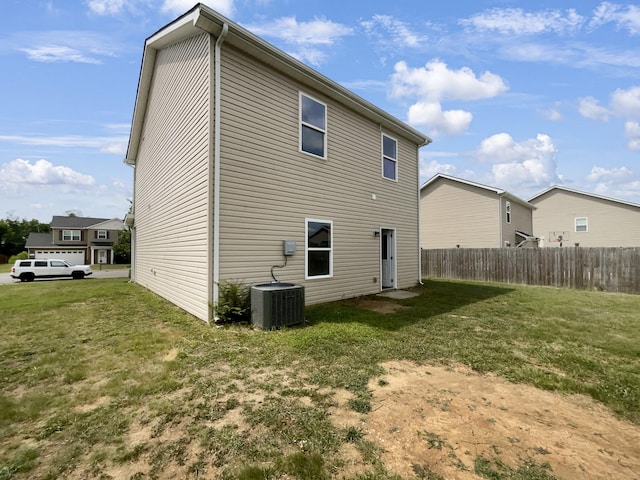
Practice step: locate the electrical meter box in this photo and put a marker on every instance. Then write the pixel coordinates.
(289, 247)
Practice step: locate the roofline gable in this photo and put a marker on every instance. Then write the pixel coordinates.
(586, 194)
(201, 19)
(80, 223)
(498, 191)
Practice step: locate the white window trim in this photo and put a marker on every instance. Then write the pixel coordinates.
(301, 123)
(586, 224)
(71, 239)
(383, 156)
(102, 237)
(307, 249)
(507, 209)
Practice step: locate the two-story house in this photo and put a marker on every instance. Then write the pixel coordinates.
(78, 240)
(565, 217)
(237, 147)
(459, 213)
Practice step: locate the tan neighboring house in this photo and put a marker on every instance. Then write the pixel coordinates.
(566, 217)
(238, 147)
(459, 213)
(78, 240)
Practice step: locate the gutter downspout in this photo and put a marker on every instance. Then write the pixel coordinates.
(500, 220)
(216, 161)
(420, 282)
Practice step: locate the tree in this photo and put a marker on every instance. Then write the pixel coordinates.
(14, 233)
(122, 247)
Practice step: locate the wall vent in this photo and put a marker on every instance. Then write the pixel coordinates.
(275, 305)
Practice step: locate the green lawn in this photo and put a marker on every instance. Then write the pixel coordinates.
(86, 364)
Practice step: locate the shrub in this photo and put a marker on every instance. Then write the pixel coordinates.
(234, 302)
(19, 256)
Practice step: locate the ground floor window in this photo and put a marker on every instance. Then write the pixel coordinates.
(319, 248)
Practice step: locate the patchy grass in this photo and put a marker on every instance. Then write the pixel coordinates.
(103, 379)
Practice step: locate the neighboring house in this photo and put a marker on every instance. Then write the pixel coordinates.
(566, 217)
(459, 213)
(237, 147)
(78, 240)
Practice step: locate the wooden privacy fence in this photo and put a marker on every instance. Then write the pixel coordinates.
(606, 269)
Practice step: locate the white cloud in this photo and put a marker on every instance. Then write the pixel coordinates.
(428, 86)
(553, 114)
(177, 7)
(312, 56)
(515, 21)
(319, 31)
(599, 174)
(574, 54)
(58, 54)
(57, 46)
(589, 108)
(42, 172)
(626, 103)
(430, 114)
(619, 182)
(435, 81)
(632, 132)
(106, 7)
(520, 165)
(115, 144)
(430, 168)
(172, 7)
(392, 29)
(304, 38)
(623, 16)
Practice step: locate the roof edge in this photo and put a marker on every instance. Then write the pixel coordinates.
(580, 192)
(498, 191)
(204, 19)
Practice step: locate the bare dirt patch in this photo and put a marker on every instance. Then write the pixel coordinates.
(442, 419)
(378, 306)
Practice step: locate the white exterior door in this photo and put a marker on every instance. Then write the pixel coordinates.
(102, 256)
(388, 258)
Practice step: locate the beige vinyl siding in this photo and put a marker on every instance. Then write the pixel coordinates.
(454, 213)
(172, 179)
(521, 220)
(269, 188)
(610, 224)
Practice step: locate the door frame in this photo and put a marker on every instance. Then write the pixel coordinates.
(392, 269)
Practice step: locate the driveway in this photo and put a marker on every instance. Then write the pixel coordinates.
(5, 278)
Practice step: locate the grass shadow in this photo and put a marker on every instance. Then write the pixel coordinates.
(435, 297)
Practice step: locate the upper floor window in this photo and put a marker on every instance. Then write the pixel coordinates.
(71, 235)
(313, 126)
(319, 249)
(102, 234)
(389, 157)
(582, 224)
(507, 210)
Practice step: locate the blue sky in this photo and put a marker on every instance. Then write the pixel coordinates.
(516, 95)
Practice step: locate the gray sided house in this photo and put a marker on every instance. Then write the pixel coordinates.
(459, 213)
(78, 240)
(237, 147)
(566, 217)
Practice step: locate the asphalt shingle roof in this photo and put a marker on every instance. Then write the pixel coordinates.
(75, 222)
(39, 240)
